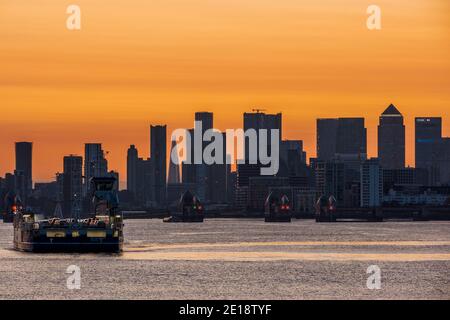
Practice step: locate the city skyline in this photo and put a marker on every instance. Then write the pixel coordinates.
(116, 146)
(109, 80)
(123, 182)
(224, 153)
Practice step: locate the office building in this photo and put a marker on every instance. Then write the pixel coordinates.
(203, 172)
(405, 176)
(72, 186)
(292, 158)
(351, 137)
(95, 165)
(188, 167)
(326, 138)
(257, 121)
(144, 195)
(441, 162)
(158, 156)
(174, 167)
(132, 166)
(415, 195)
(428, 134)
(391, 139)
(24, 165)
(341, 137)
(371, 183)
(331, 180)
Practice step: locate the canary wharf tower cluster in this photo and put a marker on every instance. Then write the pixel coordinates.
(341, 168)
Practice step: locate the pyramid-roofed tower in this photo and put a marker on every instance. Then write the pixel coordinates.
(391, 139)
(391, 111)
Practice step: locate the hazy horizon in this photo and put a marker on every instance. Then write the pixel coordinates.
(136, 63)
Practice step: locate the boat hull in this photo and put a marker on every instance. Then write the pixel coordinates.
(69, 247)
(8, 218)
(66, 239)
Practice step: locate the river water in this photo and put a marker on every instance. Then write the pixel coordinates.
(243, 259)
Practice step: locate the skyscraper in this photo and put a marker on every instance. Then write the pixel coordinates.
(218, 178)
(441, 160)
(132, 166)
(158, 149)
(140, 178)
(174, 169)
(351, 137)
(391, 139)
(20, 184)
(207, 120)
(341, 137)
(331, 179)
(95, 164)
(203, 171)
(24, 164)
(144, 182)
(341, 146)
(292, 158)
(260, 121)
(428, 138)
(72, 186)
(188, 166)
(428, 132)
(326, 138)
(371, 183)
(257, 121)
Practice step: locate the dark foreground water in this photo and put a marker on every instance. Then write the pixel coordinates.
(243, 259)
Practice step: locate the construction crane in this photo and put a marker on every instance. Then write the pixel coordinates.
(257, 110)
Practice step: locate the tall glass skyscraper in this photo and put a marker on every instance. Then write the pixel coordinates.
(326, 138)
(24, 166)
(158, 156)
(132, 169)
(95, 164)
(341, 137)
(257, 121)
(428, 135)
(391, 139)
(203, 172)
(72, 186)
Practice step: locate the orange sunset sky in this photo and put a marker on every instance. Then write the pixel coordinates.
(141, 62)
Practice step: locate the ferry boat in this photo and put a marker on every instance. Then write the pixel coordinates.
(190, 209)
(102, 232)
(277, 208)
